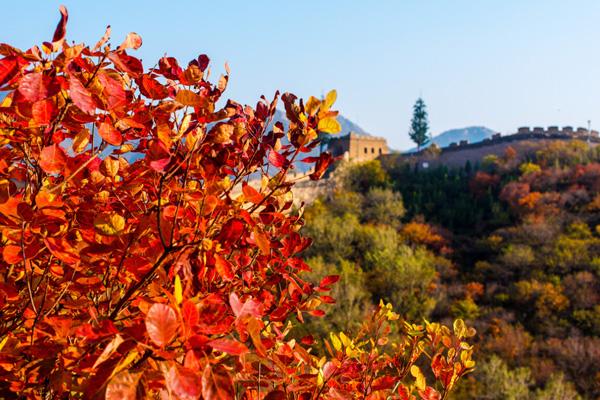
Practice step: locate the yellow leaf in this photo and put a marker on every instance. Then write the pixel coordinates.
(329, 100)
(109, 224)
(329, 125)
(125, 362)
(81, 140)
(419, 378)
(178, 290)
(3, 342)
(109, 167)
(337, 344)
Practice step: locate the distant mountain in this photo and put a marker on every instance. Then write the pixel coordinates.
(472, 134)
(347, 125)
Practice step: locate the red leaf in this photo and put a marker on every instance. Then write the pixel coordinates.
(324, 161)
(430, 394)
(127, 63)
(113, 93)
(223, 267)
(8, 68)
(250, 307)
(152, 88)
(203, 61)
(276, 159)
(217, 384)
(53, 159)
(159, 165)
(61, 28)
(229, 346)
(190, 314)
(110, 134)
(44, 111)
(132, 41)
(123, 386)
(161, 324)
(81, 96)
(328, 280)
(183, 382)
(35, 87)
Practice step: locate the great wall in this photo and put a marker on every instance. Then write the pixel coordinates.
(359, 148)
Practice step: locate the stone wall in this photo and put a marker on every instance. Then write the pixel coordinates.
(357, 147)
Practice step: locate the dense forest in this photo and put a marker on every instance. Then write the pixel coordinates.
(510, 244)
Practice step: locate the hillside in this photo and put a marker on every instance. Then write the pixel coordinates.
(472, 134)
(511, 245)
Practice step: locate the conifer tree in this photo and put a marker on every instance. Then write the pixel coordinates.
(419, 126)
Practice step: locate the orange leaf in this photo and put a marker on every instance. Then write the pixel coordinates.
(251, 194)
(110, 134)
(189, 98)
(12, 254)
(161, 324)
(223, 267)
(53, 159)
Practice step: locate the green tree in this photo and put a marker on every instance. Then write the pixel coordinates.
(419, 125)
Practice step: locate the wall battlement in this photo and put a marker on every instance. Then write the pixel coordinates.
(526, 132)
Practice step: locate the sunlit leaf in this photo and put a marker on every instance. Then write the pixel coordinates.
(161, 324)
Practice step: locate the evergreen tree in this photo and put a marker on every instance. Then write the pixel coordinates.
(419, 126)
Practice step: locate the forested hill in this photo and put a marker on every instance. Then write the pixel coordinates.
(510, 245)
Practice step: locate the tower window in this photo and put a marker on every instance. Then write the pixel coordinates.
(366, 150)
(372, 150)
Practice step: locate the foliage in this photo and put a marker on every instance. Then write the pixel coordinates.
(130, 269)
(365, 176)
(419, 125)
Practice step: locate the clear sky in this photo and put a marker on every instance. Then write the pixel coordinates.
(501, 64)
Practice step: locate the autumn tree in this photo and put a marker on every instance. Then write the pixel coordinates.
(137, 260)
(419, 125)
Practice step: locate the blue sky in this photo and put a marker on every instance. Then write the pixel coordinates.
(501, 64)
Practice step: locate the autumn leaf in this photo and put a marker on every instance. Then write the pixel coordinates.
(216, 383)
(329, 125)
(110, 134)
(189, 98)
(44, 111)
(228, 346)
(81, 96)
(277, 160)
(61, 28)
(132, 41)
(81, 140)
(329, 100)
(123, 386)
(109, 224)
(161, 324)
(109, 350)
(12, 254)
(35, 86)
(8, 68)
(251, 194)
(183, 382)
(223, 267)
(53, 159)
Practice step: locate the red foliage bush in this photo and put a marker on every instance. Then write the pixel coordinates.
(138, 262)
